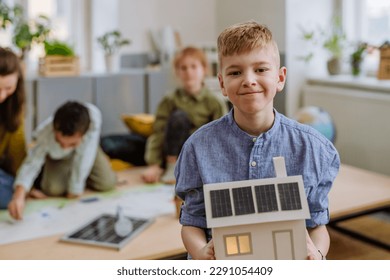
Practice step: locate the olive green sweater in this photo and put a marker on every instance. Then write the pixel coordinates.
(202, 108)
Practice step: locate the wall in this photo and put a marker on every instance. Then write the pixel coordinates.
(308, 14)
(352, 104)
(271, 13)
(194, 20)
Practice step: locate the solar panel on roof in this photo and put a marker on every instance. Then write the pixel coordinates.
(243, 201)
(289, 196)
(266, 198)
(220, 203)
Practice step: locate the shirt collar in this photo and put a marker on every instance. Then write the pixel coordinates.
(265, 135)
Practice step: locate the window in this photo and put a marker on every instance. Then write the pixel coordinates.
(239, 244)
(367, 21)
(70, 22)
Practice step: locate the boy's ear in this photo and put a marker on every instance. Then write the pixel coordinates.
(282, 78)
(221, 84)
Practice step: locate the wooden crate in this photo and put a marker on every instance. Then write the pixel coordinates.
(56, 65)
(384, 64)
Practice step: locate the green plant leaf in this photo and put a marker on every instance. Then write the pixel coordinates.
(112, 41)
(58, 48)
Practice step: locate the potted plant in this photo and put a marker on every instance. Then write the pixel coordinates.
(8, 14)
(333, 41)
(59, 60)
(111, 42)
(357, 58)
(26, 32)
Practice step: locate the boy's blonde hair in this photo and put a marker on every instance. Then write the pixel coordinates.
(193, 52)
(244, 37)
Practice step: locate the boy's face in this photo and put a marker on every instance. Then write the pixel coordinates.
(191, 73)
(68, 142)
(251, 80)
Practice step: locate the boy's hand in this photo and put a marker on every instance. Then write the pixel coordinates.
(206, 253)
(152, 174)
(312, 251)
(72, 195)
(16, 205)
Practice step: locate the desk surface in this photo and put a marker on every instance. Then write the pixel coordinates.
(354, 190)
(161, 239)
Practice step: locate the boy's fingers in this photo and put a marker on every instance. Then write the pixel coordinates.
(13, 211)
(18, 210)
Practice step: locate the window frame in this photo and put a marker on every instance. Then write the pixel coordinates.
(238, 244)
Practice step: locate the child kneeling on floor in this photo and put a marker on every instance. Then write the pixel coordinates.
(68, 153)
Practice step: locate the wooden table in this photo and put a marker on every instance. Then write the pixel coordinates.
(160, 240)
(355, 191)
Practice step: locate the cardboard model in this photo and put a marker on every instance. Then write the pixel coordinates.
(258, 219)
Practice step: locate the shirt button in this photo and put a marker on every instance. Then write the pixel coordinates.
(253, 163)
(254, 139)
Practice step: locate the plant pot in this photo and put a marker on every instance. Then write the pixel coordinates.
(109, 61)
(356, 66)
(334, 66)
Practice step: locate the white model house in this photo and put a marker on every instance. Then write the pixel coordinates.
(258, 219)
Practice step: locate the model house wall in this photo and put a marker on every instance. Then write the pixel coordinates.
(258, 219)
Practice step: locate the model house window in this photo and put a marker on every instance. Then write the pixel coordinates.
(239, 244)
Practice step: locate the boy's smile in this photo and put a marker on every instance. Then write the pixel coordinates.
(251, 80)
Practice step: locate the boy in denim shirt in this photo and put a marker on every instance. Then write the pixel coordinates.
(241, 145)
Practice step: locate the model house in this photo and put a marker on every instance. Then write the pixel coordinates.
(258, 219)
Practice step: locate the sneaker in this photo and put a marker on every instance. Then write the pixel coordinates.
(169, 175)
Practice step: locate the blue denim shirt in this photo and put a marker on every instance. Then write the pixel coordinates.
(221, 152)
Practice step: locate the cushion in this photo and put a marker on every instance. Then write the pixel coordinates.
(140, 123)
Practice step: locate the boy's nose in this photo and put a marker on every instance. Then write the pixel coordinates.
(249, 80)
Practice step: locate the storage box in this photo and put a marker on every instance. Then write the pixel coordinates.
(56, 65)
(384, 64)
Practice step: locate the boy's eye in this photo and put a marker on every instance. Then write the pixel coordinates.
(234, 73)
(260, 70)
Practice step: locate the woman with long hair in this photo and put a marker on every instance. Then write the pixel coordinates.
(12, 138)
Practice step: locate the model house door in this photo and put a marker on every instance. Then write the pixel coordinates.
(283, 245)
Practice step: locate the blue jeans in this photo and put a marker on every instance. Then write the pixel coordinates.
(6, 188)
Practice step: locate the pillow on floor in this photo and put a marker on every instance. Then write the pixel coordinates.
(140, 123)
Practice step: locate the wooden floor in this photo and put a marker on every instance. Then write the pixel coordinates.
(344, 247)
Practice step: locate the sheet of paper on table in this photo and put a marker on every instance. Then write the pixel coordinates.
(54, 216)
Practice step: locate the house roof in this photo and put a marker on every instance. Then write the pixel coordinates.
(255, 201)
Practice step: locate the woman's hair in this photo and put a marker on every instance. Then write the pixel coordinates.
(11, 110)
(193, 52)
